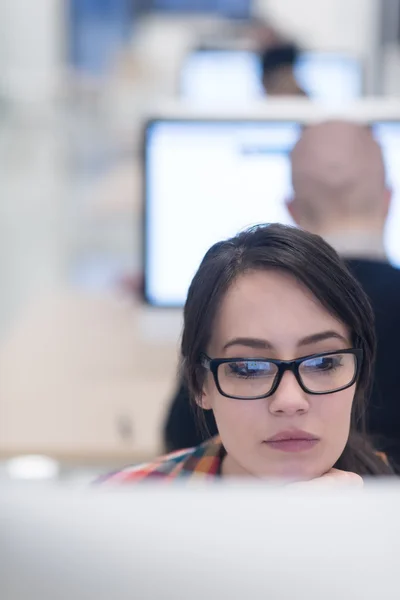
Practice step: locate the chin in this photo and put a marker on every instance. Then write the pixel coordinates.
(297, 466)
(298, 472)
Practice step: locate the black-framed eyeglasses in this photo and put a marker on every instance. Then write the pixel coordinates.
(256, 378)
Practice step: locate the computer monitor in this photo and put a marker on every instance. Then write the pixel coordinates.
(216, 76)
(204, 181)
(189, 542)
(330, 77)
(207, 179)
(210, 76)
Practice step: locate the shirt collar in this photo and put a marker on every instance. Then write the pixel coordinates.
(358, 244)
(206, 460)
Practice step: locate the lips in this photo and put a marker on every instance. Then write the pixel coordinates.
(292, 441)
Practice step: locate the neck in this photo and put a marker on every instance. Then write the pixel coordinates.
(355, 240)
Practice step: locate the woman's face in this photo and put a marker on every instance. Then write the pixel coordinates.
(268, 314)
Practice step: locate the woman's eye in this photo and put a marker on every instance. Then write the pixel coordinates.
(250, 369)
(323, 363)
(241, 369)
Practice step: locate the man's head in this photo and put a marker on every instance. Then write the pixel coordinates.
(338, 179)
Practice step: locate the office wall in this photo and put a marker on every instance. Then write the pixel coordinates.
(337, 24)
(32, 46)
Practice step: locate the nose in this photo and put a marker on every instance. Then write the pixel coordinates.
(289, 399)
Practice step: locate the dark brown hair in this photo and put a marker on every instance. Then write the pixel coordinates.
(310, 260)
(275, 57)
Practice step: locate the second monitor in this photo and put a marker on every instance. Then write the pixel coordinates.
(211, 76)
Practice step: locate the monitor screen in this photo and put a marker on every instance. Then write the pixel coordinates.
(206, 180)
(234, 76)
(212, 76)
(330, 77)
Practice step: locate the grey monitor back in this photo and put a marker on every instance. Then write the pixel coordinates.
(225, 541)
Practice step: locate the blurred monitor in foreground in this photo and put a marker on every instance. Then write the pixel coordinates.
(220, 541)
(207, 179)
(211, 76)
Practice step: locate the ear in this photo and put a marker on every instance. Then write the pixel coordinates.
(387, 200)
(204, 401)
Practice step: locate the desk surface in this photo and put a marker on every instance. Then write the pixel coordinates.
(88, 376)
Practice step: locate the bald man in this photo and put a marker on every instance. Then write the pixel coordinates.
(340, 193)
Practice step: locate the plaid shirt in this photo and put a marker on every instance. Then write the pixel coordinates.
(203, 461)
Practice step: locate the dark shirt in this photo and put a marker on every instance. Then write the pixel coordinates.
(381, 282)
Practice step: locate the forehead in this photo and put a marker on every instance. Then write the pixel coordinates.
(271, 305)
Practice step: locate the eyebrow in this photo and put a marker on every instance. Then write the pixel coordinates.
(321, 337)
(260, 344)
(250, 343)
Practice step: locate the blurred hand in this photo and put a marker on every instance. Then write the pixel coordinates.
(334, 478)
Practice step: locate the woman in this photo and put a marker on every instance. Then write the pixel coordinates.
(278, 342)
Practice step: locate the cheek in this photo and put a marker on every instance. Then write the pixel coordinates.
(334, 414)
(238, 419)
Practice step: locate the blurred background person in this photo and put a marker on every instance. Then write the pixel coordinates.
(339, 188)
(278, 77)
